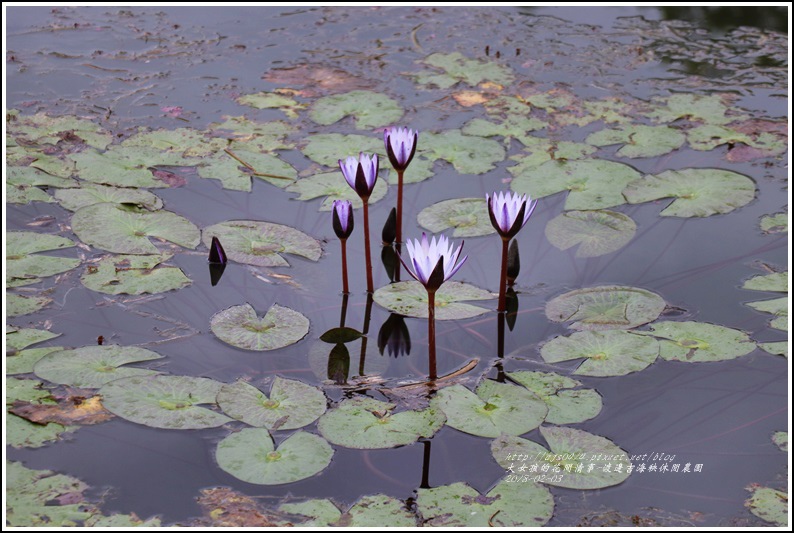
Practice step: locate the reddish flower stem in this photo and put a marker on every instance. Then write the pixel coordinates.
(503, 278)
(345, 288)
(431, 333)
(399, 232)
(366, 245)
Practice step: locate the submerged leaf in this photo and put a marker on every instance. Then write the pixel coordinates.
(291, 404)
(605, 307)
(605, 353)
(93, 366)
(469, 217)
(242, 328)
(261, 243)
(409, 298)
(596, 232)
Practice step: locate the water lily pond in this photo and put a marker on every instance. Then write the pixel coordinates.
(639, 375)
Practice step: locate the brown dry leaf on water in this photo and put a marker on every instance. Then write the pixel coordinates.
(224, 507)
(68, 411)
(318, 79)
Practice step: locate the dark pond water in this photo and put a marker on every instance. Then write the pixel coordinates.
(122, 67)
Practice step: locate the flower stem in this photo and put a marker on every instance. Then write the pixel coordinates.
(431, 333)
(503, 278)
(399, 232)
(345, 288)
(366, 245)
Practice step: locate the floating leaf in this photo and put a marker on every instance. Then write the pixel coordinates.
(605, 307)
(378, 510)
(333, 186)
(775, 348)
(18, 305)
(70, 410)
(25, 194)
(265, 100)
(469, 217)
(705, 108)
(126, 230)
(458, 68)
(777, 223)
(23, 184)
(181, 142)
(572, 454)
(697, 342)
(242, 328)
(261, 243)
(19, 432)
(291, 404)
(167, 402)
(639, 141)
(122, 520)
(133, 274)
(369, 108)
(93, 366)
(250, 455)
(265, 136)
(596, 232)
(469, 155)
(224, 507)
(539, 150)
(592, 184)
(780, 438)
(366, 423)
(606, 353)
(409, 298)
(89, 194)
(44, 129)
(506, 505)
(419, 170)
(515, 127)
(315, 513)
(777, 282)
(768, 504)
(235, 172)
(328, 148)
(495, 408)
(698, 192)
(565, 406)
(23, 361)
(777, 307)
(26, 390)
(31, 497)
(123, 167)
(17, 339)
(21, 264)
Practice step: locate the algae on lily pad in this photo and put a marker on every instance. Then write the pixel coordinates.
(768, 504)
(162, 401)
(596, 232)
(18, 305)
(455, 67)
(333, 186)
(91, 367)
(698, 342)
(468, 154)
(369, 108)
(566, 406)
(496, 408)
(469, 217)
(508, 504)
(93, 193)
(777, 282)
(133, 274)
(639, 141)
(37, 498)
(21, 264)
(328, 148)
(291, 405)
(240, 326)
(368, 424)
(261, 243)
(250, 455)
(605, 353)
(409, 298)
(698, 192)
(605, 307)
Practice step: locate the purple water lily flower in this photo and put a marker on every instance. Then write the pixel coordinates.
(217, 254)
(361, 173)
(434, 262)
(509, 212)
(343, 218)
(400, 146)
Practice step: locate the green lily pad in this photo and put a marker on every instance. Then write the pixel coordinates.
(697, 342)
(378, 510)
(565, 406)
(33, 177)
(468, 154)
(25, 194)
(709, 136)
(328, 148)
(698, 192)
(251, 456)
(419, 170)
(133, 274)
(18, 305)
(605, 307)
(242, 328)
(44, 129)
(91, 367)
(291, 404)
(777, 223)
(409, 298)
(21, 433)
(181, 142)
(31, 494)
(266, 136)
(775, 348)
(456, 68)
(17, 339)
(777, 282)
(496, 408)
(514, 127)
(313, 513)
(265, 100)
(539, 151)
(123, 167)
(367, 424)
(709, 109)
(126, 230)
(369, 108)
(89, 194)
(261, 243)
(592, 184)
(605, 353)
(506, 505)
(596, 232)
(22, 264)
(769, 504)
(333, 186)
(577, 459)
(26, 390)
(167, 402)
(24, 361)
(777, 307)
(780, 438)
(639, 141)
(236, 176)
(122, 520)
(469, 217)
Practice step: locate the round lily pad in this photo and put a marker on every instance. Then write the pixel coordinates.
(495, 408)
(370, 109)
(639, 140)
(469, 217)
(291, 404)
(91, 193)
(769, 504)
(592, 183)
(126, 229)
(605, 307)
(133, 274)
(24, 361)
(508, 504)
(17, 339)
(566, 406)
(698, 342)
(167, 402)
(605, 353)
(328, 148)
(468, 154)
(366, 423)
(777, 282)
(22, 265)
(698, 192)
(123, 166)
(332, 186)
(261, 243)
(242, 328)
(409, 298)
(93, 366)
(596, 232)
(251, 456)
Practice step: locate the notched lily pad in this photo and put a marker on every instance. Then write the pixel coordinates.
(24, 361)
(369, 108)
(698, 342)
(133, 274)
(605, 353)
(91, 193)
(93, 366)
(777, 282)
(639, 141)
(566, 406)
(775, 348)
(370, 511)
(251, 456)
(328, 148)
(37, 498)
(333, 186)
(605, 307)
(469, 217)
(366, 423)
(469, 155)
(17, 339)
(409, 298)
(242, 328)
(456, 67)
(777, 223)
(596, 232)
(768, 504)
(21, 264)
(260, 243)
(235, 168)
(124, 166)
